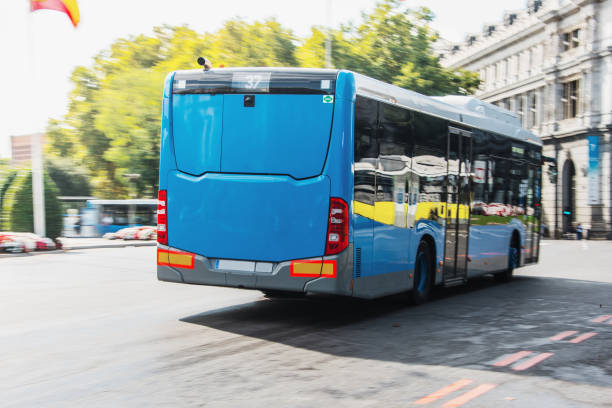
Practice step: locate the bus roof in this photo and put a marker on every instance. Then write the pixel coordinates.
(465, 110)
(460, 109)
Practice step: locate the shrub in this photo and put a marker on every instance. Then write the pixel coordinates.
(17, 207)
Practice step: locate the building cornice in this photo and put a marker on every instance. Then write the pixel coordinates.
(495, 46)
(531, 82)
(525, 26)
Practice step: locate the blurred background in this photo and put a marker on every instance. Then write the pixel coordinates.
(90, 91)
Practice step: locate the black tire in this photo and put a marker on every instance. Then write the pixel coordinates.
(423, 275)
(513, 262)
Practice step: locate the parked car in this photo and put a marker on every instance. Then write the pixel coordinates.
(33, 240)
(147, 233)
(10, 244)
(30, 241)
(130, 233)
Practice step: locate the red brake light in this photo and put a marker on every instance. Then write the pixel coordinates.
(162, 218)
(337, 227)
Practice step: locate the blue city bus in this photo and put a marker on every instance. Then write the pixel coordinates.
(327, 181)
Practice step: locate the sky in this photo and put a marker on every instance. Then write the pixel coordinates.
(38, 51)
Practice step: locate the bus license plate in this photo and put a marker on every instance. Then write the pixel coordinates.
(243, 266)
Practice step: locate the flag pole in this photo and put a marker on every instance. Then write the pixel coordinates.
(328, 42)
(38, 191)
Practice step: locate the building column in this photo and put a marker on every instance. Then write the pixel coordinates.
(584, 103)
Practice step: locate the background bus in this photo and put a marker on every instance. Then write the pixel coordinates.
(332, 182)
(99, 217)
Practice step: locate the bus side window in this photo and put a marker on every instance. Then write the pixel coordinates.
(366, 118)
(395, 132)
(429, 165)
(366, 149)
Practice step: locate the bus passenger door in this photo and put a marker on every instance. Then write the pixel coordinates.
(457, 211)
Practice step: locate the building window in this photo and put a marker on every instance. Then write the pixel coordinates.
(533, 109)
(520, 109)
(570, 99)
(571, 39)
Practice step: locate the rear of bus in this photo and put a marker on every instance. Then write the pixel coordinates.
(255, 179)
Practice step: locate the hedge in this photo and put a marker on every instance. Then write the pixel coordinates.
(17, 207)
(7, 175)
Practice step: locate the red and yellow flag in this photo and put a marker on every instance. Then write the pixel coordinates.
(70, 7)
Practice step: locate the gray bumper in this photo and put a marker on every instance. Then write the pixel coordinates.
(204, 272)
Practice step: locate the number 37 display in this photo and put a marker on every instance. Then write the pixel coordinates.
(251, 81)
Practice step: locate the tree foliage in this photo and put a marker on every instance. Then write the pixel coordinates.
(70, 178)
(113, 121)
(17, 208)
(7, 175)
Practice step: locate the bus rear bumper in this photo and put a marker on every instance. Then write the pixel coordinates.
(279, 276)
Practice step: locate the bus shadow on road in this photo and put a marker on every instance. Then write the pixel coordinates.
(469, 326)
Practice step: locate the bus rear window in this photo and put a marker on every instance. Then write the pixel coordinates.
(254, 82)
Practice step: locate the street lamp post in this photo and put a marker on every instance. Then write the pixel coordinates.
(131, 178)
(328, 43)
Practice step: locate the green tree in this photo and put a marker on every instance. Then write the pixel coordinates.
(113, 121)
(129, 116)
(7, 175)
(259, 44)
(17, 207)
(70, 178)
(391, 44)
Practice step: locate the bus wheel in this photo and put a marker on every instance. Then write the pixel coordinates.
(423, 275)
(513, 262)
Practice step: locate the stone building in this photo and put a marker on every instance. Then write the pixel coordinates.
(21, 147)
(551, 63)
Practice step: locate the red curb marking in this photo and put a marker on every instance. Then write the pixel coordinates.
(470, 395)
(444, 391)
(563, 335)
(583, 337)
(602, 319)
(532, 361)
(512, 358)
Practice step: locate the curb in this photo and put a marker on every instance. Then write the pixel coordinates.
(122, 245)
(76, 247)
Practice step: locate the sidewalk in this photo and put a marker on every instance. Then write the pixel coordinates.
(88, 243)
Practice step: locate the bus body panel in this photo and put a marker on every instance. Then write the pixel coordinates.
(280, 134)
(488, 248)
(338, 166)
(205, 271)
(197, 127)
(249, 217)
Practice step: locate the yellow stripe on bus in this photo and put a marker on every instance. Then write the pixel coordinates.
(385, 211)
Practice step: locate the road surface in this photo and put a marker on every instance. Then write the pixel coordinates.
(95, 328)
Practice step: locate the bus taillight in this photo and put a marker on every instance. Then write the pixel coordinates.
(337, 227)
(162, 218)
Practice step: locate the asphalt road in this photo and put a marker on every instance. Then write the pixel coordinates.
(95, 328)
